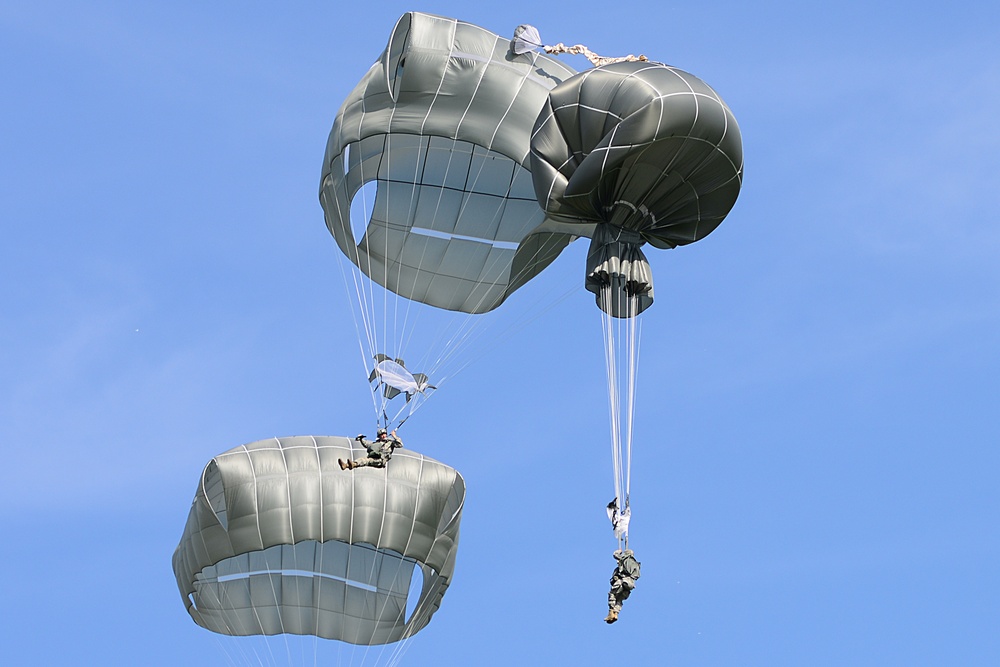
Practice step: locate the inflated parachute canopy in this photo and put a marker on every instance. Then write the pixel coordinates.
(648, 152)
(442, 124)
(281, 540)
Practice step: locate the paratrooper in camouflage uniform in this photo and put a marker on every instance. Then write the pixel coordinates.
(379, 451)
(622, 582)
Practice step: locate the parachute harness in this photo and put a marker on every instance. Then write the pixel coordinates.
(621, 348)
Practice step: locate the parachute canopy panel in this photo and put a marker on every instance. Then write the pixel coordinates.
(442, 123)
(281, 540)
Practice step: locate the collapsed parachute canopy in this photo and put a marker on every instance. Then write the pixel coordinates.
(648, 152)
(281, 540)
(441, 123)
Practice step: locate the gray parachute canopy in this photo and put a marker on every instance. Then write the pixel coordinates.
(442, 123)
(648, 152)
(281, 540)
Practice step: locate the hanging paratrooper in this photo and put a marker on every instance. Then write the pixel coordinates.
(633, 152)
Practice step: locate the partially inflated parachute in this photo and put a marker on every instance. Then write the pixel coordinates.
(281, 540)
(649, 153)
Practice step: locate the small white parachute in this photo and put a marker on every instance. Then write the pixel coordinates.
(526, 39)
(619, 520)
(395, 379)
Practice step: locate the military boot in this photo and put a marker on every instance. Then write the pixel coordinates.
(612, 616)
(344, 465)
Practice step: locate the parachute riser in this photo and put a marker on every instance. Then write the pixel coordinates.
(618, 273)
(621, 336)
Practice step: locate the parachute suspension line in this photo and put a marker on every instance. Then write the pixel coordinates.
(621, 343)
(403, 326)
(362, 308)
(633, 338)
(467, 320)
(518, 324)
(452, 340)
(366, 355)
(237, 647)
(632, 325)
(431, 368)
(387, 340)
(460, 336)
(365, 289)
(236, 653)
(376, 328)
(409, 408)
(371, 573)
(243, 631)
(471, 328)
(399, 338)
(371, 300)
(420, 611)
(350, 553)
(270, 569)
(449, 340)
(303, 615)
(609, 358)
(401, 645)
(394, 337)
(378, 562)
(437, 208)
(269, 640)
(322, 544)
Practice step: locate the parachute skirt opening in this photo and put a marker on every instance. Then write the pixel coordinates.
(361, 208)
(354, 593)
(433, 219)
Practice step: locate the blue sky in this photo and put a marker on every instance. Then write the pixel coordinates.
(816, 477)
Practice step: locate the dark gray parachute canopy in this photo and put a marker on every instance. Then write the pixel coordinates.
(442, 124)
(648, 152)
(281, 540)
